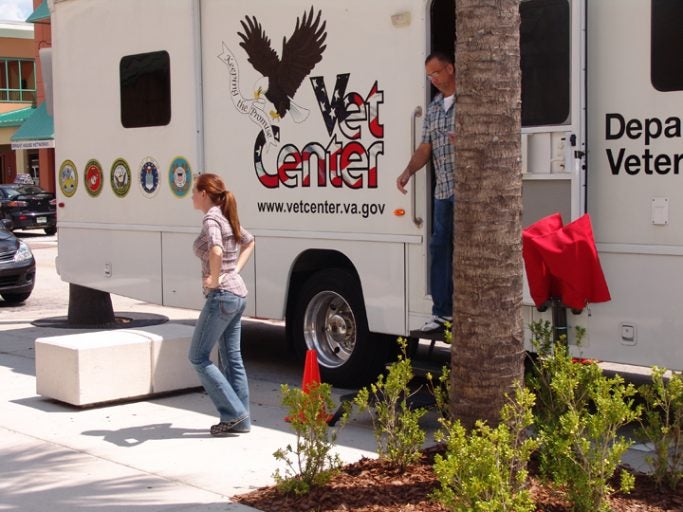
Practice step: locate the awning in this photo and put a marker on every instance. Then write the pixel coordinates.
(40, 15)
(15, 117)
(37, 132)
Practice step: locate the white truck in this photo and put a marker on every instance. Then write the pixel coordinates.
(309, 111)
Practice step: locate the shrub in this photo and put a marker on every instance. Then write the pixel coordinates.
(485, 470)
(396, 426)
(578, 418)
(309, 462)
(662, 425)
(440, 388)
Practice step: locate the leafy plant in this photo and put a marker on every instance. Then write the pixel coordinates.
(662, 425)
(395, 424)
(578, 417)
(546, 366)
(485, 470)
(440, 388)
(309, 462)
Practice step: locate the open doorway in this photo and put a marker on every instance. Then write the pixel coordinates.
(441, 39)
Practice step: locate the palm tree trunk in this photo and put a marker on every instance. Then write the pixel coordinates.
(488, 349)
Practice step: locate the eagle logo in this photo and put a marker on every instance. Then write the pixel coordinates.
(283, 76)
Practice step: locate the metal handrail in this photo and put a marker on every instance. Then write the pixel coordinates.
(413, 194)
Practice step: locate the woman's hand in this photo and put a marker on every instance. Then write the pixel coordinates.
(210, 282)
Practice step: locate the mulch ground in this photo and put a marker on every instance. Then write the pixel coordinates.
(371, 485)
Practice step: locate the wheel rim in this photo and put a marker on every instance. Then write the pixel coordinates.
(330, 328)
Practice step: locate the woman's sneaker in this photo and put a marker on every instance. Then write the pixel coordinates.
(437, 323)
(225, 428)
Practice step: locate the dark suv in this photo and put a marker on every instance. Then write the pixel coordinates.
(17, 267)
(28, 207)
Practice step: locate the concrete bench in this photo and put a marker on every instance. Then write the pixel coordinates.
(95, 367)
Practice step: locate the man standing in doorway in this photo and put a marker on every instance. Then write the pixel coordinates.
(437, 132)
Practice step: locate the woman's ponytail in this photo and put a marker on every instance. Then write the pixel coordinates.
(229, 209)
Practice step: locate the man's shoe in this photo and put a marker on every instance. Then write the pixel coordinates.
(225, 428)
(436, 324)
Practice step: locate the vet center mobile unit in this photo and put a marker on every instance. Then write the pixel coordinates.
(310, 110)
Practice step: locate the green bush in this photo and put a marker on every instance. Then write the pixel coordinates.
(662, 425)
(440, 388)
(578, 415)
(485, 470)
(396, 426)
(309, 462)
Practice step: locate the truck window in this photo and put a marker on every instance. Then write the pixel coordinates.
(666, 71)
(544, 47)
(145, 89)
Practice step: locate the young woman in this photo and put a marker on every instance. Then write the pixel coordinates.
(223, 247)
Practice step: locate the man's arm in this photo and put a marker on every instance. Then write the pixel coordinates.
(419, 159)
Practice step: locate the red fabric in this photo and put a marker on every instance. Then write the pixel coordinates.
(541, 283)
(563, 262)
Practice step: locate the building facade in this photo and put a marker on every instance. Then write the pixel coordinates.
(18, 93)
(26, 127)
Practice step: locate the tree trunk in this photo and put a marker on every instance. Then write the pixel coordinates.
(488, 349)
(89, 307)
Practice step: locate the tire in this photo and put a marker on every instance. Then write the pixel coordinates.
(16, 298)
(51, 231)
(329, 317)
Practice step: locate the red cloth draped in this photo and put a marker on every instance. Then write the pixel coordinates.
(562, 261)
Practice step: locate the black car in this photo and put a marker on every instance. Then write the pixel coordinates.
(28, 207)
(17, 267)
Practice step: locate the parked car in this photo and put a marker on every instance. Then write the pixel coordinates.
(24, 179)
(17, 267)
(28, 207)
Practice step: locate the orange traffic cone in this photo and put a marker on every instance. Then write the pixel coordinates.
(311, 371)
(311, 379)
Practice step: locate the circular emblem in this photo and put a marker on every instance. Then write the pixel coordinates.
(68, 178)
(149, 177)
(93, 177)
(120, 177)
(180, 176)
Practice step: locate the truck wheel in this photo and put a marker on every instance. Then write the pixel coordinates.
(51, 231)
(329, 317)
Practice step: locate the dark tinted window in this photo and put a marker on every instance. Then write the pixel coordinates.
(30, 190)
(545, 55)
(10, 192)
(145, 89)
(667, 45)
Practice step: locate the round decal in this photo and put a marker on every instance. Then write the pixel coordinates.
(120, 177)
(93, 177)
(180, 176)
(149, 177)
(68, 178)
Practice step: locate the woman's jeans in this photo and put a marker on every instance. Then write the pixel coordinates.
(220, 321)
(441, 251)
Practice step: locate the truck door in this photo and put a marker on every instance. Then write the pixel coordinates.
(553, 143)
(553, 110)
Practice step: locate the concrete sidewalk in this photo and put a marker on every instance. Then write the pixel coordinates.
(146, 455)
